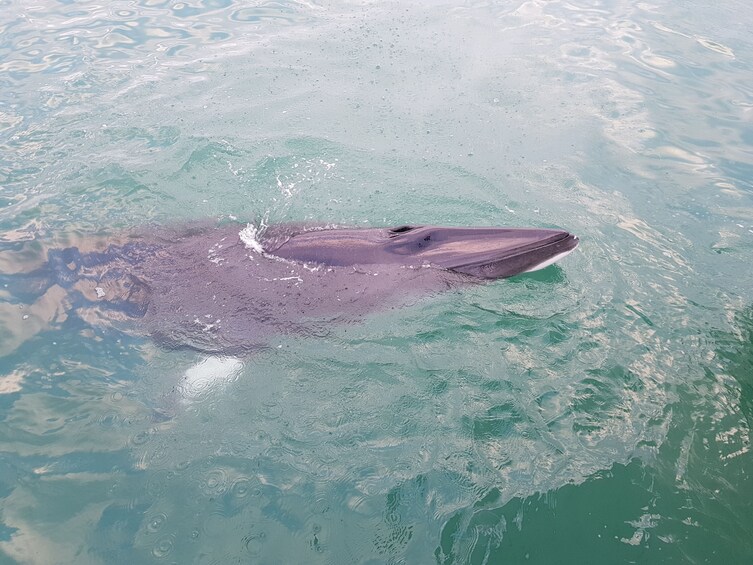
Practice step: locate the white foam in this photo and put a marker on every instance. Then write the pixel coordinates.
(248, 236)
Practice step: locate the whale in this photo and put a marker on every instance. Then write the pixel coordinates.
(230, 289)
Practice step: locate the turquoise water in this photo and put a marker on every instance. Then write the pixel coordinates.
(598, 411)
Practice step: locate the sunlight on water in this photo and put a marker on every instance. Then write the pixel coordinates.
(207, 376)
(599, 407)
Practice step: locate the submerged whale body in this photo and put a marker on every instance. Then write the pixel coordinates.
(222, 290)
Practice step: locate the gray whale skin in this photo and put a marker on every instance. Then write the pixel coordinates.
(217, 290)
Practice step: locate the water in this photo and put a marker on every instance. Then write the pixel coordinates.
(595, 412)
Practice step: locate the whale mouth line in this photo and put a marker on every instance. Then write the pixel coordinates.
(524, 259)
(520, 251)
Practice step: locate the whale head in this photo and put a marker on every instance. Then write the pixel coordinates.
(486, 253)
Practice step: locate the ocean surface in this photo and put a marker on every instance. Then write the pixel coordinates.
(598, 411)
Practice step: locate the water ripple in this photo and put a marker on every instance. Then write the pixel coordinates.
(466, 423)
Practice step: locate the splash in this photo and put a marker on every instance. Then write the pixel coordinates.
(249, 237)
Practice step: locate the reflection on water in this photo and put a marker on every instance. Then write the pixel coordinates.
(736, 353)
(603, 406)
(61, 37)
(692, 500)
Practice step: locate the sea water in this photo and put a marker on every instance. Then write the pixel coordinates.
(597, 411)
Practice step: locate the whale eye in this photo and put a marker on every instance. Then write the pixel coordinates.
(401, 229)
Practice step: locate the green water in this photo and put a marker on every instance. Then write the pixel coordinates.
(598, 411)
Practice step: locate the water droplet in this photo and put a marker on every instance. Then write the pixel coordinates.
(241, 488)
(215, 482)
(156, 523)
(140, 438)
(163, 547)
